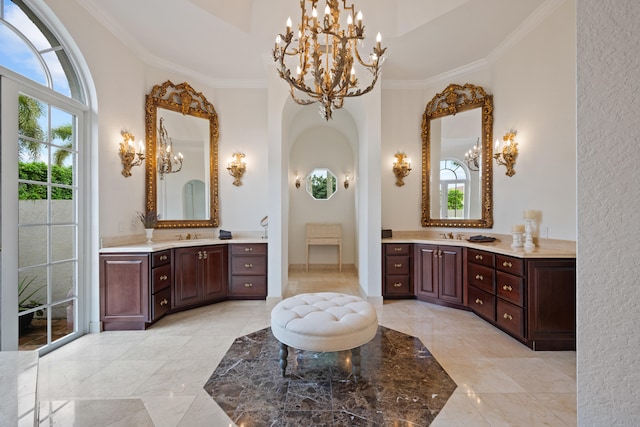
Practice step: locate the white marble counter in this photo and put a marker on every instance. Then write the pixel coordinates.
(18, 398)
(545, 248)
(162, 245)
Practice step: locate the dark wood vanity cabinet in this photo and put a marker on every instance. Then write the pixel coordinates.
(396, 270)
(135, 289)
(531, 299)
(248, 271)
(438, 274)
(200, 275)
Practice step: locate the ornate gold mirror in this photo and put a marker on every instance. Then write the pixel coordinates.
(181, 129)
(457, 174)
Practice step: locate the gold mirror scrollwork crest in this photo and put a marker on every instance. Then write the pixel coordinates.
(183, 99)
(453, 100)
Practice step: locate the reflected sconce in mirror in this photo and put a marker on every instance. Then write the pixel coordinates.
(401, 168)
(167, 164)
(472, 157)
(346, 181)
(237, 167)
(507, 152)
(128, 154)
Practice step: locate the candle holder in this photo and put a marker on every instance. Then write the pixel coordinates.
(517, 240)
(528, 238)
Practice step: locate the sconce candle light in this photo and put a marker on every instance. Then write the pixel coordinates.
(507, 154)
(128, 154)
(472, 157)
(237, 167)
(297, 179)
(401, 168)
(346, 181)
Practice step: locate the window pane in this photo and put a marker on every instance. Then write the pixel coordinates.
(32, 245)
(31, 211)
(58, 75)
(32, 288)
(17, 56)
(33, 330)
(62, 281)
(62, 320)
(16, 17)
(63, 239)
(63, 211)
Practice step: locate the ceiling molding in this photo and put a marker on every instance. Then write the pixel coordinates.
(446, 77)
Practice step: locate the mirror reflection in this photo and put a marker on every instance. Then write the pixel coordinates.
(457, 130)
(321, 184)
(182, 157)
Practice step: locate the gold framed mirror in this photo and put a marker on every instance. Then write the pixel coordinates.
(457, 169)
(181, 170)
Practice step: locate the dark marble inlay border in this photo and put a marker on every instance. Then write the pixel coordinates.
(401, 384)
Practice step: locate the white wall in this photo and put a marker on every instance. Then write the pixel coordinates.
(608, 213)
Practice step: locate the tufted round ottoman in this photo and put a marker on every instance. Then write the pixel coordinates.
(324, 321)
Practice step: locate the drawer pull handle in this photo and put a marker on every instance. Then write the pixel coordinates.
(479, 301)
(397, 249)
(507, 316)
(507, 264)
(397, 285)
(248, 249)
(163, 277)
(397, 265)
(202, 254)
(164, 302)
(248, 285)
(479, 277)
(479, 257)
(507, 288)
(199, 254)
(248, 266)
(163, 257)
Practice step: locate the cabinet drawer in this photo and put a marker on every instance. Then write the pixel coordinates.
(397, 285)
(249, 249)
(510, 287)
(161, 278)
(510, 317)
(481, 277)
(482, 303)
(160, 258)
(397, 249)
(249, 265)
(481, 257)
(510, 265)
(397, 265)
(161, 302)
(248, 286)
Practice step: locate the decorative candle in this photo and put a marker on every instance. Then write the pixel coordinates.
(519, 228)
(529, 214)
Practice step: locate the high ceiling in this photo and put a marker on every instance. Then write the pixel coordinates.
(231, 40)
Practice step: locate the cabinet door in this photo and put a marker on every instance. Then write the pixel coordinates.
(124, 290)
(214, 277)
(450, 280)
(186, 290)
(426, 271)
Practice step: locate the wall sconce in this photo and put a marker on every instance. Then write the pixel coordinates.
(237, 167)
(128, 154)
(166, 163)
(297, 179)
(472, 157)
(346, 181)
(507, 151)
(401, 168)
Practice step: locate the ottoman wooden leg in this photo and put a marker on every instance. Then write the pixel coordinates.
(284, 353)
(355, 363)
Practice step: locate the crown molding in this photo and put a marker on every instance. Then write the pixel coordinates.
(446, 77)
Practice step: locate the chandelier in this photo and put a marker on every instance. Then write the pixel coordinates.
(167, 164)
(472, 157)
(325, 56)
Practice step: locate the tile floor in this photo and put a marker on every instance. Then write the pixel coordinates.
(156, 377)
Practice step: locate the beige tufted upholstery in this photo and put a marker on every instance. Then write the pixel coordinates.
(324, 321)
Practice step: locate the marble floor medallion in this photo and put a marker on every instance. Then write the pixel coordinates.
(401, 383)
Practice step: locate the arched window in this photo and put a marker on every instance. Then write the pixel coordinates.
(43, 228)
(454, 180)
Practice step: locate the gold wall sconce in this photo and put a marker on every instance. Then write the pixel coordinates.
(401, 168)
(237, 167)
(128, 154)
(297, 179)
(507, 152)
(346, 181)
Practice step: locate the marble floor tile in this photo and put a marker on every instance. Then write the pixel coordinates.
(125, 374)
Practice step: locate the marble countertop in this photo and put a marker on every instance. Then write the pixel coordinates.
(545, 248)
(19, 373)
(162, 245)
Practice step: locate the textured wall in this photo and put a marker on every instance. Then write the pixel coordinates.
(608, 60)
